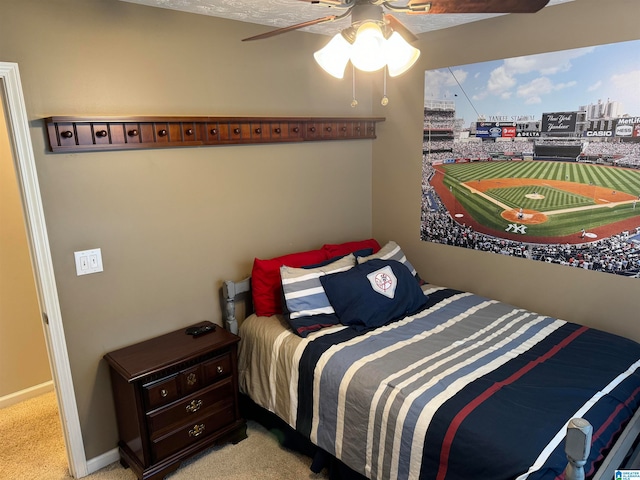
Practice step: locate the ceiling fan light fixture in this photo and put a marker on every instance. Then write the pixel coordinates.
(349, 34)
(334, 56)
(399, 55)
(367, 52)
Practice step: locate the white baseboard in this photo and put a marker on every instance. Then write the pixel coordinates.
(96, 463)
(26, 394)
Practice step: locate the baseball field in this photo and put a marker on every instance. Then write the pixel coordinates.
(541, 201)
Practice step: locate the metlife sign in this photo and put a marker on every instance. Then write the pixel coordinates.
(627, 127)
(628, 121)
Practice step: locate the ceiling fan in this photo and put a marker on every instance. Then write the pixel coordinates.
(362, 11)
(376, 40)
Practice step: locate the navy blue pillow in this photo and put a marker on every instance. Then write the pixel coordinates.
(374, 293)
(365, 252)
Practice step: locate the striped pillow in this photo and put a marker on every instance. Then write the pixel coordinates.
(303, 292)
(391, 251)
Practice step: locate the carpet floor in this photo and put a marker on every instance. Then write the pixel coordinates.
(32, 449)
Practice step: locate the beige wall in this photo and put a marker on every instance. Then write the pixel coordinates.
(174, 223)
(23, 354)
(589, 298)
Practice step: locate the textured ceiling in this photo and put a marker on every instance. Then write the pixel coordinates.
(282, 13)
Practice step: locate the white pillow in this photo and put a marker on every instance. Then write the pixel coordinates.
(391, 251)
(304, 295)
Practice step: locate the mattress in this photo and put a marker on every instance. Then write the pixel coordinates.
(469, 387)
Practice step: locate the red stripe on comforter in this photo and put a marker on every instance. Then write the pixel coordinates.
(459, 418)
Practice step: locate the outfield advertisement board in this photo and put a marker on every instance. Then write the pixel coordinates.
(495, 129)
(627, 127)
(624, 127)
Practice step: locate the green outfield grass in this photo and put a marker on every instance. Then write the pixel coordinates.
(488, 214)
(621, 179)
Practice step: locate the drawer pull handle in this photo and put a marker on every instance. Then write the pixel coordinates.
(329, 129)
(236, 131)
(133, 133)
(163, 393)
(197, 430)
(192, 379)
(162, 133)
(189, 131)
(194, 406)
(101, 133)
(219, 369)
(277, 130)
(214, 131)
(66, 134)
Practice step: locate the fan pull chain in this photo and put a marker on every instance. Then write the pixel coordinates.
(354, 102)
(385, 99)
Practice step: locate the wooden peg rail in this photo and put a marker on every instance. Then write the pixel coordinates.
(77, 134)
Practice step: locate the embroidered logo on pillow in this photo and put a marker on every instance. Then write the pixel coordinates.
(383, 281)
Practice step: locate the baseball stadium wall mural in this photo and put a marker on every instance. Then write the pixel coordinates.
(537, 157)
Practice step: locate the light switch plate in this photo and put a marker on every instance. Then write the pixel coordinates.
(88, 261)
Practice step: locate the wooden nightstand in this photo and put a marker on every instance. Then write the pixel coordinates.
(175, 395)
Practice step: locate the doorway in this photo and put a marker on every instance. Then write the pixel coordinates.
(27, 396)
(17, 126)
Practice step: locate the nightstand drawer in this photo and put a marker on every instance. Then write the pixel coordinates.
(193, 407)
(218, 367)
(197, 431)
(161, 392)
(191, 379)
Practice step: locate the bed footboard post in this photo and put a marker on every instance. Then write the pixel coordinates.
(229, 292)
(577, 447)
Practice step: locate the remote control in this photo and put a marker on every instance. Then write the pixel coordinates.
(197, 331)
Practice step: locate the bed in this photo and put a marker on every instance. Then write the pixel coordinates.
(448, 385)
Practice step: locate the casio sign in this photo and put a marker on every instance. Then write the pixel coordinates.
(599, 133)
(624, 130)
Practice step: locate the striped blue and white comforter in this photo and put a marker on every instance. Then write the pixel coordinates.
(469, 388)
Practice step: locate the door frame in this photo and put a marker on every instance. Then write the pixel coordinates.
(42, 265)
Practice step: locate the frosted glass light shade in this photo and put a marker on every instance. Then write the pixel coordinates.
(368, 50)
(399, 55)
(334, 56)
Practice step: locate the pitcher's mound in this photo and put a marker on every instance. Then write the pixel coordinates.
(534, 196)
(528, 217)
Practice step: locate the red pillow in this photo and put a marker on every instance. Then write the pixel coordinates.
(266, 285)
(350, 247)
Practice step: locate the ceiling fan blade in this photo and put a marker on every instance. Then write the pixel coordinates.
(476, 6)
(399, 27)
(335, 3)
(279, 31)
